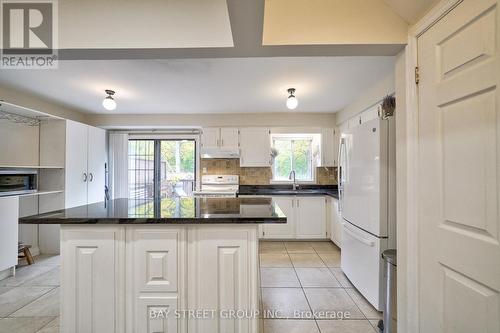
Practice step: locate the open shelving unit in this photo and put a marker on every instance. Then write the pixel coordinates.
(40, 138)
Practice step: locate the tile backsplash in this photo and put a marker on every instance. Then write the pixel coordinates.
(258, 176)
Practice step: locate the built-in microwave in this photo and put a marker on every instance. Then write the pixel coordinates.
(18, 181)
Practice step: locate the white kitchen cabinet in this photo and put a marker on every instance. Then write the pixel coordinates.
(96, 160)
(229, 138)
(223, 276)
(282, 231)
(329, 147)
(85, 160)
(220, 137)
(92, 279)
(153, 255)
(210, 137)
(76, 164)
(9, 214)
(132, 278)
(255, 144)
(306, 218)
(335, 222)
(311, 217)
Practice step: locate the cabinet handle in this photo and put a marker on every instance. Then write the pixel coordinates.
(298, 203)
(222, 142)
(91, 177)
(84, 177)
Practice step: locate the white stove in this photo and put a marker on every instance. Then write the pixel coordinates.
(217, 186)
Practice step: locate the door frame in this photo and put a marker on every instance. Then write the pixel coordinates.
(412, 313)
(173, 136)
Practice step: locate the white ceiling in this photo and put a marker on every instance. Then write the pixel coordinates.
(410, 10)
(238, 85)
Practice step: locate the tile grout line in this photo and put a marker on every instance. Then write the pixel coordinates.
(48, 291)
(303, 291)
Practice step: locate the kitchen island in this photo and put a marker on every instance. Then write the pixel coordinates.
(168, 265)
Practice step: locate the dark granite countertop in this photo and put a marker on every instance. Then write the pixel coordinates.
(186, 210)
(285, 189)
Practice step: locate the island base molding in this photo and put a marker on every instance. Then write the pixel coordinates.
(158, 278)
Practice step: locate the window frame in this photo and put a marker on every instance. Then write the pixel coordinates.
(292, 138)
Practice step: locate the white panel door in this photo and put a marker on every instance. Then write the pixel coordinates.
(255, 144)
(365, 179)
(229, 138)
(282, 231)
(459, 151)
(76, 164)
(311, 217)
(210, 137)
(95, 164)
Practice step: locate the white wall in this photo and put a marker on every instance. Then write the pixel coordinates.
(18, 144)
(27, 100)
(385, 86)
(289, 119)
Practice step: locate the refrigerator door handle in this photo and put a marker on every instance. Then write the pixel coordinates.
(339, 175)
(358, 237)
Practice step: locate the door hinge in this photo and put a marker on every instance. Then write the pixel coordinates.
(417, 75)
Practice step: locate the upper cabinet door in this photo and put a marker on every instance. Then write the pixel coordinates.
(328, 158)
(255, 144)
(229, 138)
(76, 164)
(210, 137)
(96, 164)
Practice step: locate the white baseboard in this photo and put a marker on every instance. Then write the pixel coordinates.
(7, 273)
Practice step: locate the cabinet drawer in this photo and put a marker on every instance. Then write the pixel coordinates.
(154, 259)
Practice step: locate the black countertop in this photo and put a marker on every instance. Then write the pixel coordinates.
(285, 189)
(186, 210)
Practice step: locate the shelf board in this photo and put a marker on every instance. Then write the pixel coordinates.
(40, 193)
(31, 167)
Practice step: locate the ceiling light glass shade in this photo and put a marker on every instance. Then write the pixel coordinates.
(292, 102)
(109, 103)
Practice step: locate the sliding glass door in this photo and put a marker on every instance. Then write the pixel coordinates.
(159, 168)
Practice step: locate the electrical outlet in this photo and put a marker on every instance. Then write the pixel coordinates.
(204, 170)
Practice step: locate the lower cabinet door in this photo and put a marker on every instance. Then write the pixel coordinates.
(91, 300)
(311, 217)
(285, 230)
(223, 280)
(335, 223)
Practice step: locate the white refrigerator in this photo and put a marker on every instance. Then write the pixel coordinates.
(368, 207)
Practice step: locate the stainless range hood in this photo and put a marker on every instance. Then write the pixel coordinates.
(220, 153)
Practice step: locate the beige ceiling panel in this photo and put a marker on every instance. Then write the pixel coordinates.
(304, 22)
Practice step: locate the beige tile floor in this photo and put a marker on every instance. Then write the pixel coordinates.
(306, 276)
(295, 276)
(29, 301)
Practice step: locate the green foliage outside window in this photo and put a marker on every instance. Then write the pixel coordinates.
(293, 154)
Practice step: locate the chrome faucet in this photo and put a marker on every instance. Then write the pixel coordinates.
(291, 176)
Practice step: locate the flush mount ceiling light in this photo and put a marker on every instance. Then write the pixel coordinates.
(291, 101)
(109, 102)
